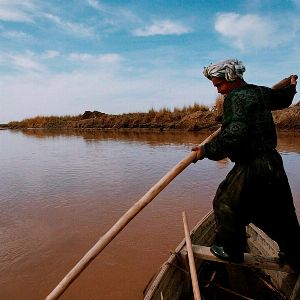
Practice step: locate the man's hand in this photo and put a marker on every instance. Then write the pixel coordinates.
(293, 80)
(199, 153)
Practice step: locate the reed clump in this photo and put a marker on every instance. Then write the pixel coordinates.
(44, 122)
(193, 117)
(289, 118)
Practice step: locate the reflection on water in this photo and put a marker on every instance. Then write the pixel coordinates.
(287, 141)
(60, 191)
(146, 136)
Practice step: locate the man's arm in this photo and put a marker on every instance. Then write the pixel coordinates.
(233, 133)
(283, 93)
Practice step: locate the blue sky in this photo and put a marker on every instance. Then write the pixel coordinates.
(65, 57)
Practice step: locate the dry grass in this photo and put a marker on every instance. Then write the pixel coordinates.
(192, 117)
(44, 122)
(288, 119)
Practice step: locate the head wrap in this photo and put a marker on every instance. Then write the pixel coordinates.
(230, 70)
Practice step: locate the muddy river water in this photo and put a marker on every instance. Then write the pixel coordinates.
(61, 191)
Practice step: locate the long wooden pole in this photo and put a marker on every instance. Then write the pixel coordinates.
(123, 221)
(131, 213)
(192, 265)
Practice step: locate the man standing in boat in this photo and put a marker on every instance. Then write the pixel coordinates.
(256, 189)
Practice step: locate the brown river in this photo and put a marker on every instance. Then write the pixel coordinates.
(60, 192)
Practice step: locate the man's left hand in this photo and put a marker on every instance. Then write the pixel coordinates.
(294, 79)
(199, 153)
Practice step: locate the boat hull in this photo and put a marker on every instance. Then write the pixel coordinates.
(173, 280)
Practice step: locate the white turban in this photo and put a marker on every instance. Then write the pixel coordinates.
(229, 69)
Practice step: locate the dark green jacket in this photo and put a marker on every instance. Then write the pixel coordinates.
(248, 129)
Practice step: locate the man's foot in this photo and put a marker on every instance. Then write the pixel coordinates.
(292, 262)
(237, 257)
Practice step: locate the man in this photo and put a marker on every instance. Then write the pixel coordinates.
(256, 189)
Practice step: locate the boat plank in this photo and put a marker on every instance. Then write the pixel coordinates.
(252, 261)
(265, 275)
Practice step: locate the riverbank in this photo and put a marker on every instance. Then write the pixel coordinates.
(194, 118)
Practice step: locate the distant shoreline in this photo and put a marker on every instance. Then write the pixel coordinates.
(198, 118)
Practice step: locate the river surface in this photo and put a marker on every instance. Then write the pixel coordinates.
(61, 191)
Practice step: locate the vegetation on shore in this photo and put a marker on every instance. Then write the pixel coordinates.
(192, 118)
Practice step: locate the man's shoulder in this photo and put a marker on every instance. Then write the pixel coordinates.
(249, 89)
(249, 95)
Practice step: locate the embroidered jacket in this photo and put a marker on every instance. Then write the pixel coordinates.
(248, 129)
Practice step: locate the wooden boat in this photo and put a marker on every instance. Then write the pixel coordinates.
(261, 276)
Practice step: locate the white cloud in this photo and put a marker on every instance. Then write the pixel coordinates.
(296, 2)
(50, 54)
(16, 34)
(75, 28)
(165, 27)
(37, 62)
(116, 17)
(16, 10)
(95, 4)
(111, 58)
(7, 14)
(249, 30)
(25, 63)
(26, 11)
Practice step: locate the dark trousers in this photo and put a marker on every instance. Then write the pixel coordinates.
(257, 191)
